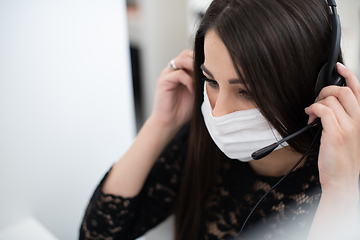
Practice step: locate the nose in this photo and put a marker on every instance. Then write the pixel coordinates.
(222, 105)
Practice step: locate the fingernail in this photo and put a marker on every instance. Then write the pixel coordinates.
(341, 65)
(306, 108)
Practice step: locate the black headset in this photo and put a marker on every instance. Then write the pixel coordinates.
(327, 76)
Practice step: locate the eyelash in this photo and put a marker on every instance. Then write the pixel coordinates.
(213, 84)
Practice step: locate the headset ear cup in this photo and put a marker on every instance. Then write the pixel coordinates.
(338, 80)
(320, 81)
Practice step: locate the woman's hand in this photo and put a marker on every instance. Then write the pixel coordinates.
(339, 159)
(174, 96)
(172, 108)
(339, 110)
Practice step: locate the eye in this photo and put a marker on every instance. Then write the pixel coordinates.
(212, 83)
(244, 94)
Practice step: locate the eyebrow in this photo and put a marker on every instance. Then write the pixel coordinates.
(231, 81)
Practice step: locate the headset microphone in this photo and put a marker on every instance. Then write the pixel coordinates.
(268, 149)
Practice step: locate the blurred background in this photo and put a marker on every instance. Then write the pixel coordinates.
(77, 81)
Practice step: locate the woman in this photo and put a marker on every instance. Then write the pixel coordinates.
(251, 57)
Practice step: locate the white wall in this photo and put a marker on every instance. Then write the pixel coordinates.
(349, 12)
(66, 106)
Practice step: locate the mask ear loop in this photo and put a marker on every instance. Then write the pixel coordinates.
(296, 164)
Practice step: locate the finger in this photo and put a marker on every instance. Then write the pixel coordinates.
(351, 81)
(345, 96)
(312, 117)
(183, 61)
(188, 53)
(341, 115)
(179, 77)
(327, 116)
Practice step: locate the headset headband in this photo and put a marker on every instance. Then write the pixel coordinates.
(330, 70)
(328, 74)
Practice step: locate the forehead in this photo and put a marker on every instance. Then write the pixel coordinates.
(217, 58)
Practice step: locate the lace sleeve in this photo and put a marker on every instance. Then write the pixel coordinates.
(114, 217)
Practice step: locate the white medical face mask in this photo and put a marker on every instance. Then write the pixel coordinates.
(240, 133)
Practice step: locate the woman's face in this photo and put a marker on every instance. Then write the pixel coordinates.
(226, 92)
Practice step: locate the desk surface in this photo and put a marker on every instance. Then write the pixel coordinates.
(26, 229)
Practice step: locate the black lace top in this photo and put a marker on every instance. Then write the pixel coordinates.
(286, 213)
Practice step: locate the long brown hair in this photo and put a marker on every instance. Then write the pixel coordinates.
(280, 46)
